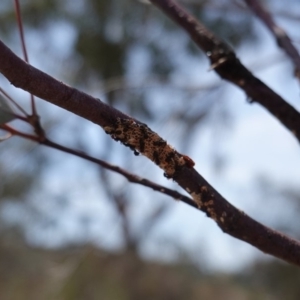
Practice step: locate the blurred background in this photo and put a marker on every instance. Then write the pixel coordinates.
(72, 230)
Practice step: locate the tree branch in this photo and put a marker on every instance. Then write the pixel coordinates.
(280, 35)
(129, 176)
(21, 32)
(140, 138)
(227, 65)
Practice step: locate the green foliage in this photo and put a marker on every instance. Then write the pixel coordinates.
(90, 274)
(101, 56)
(279, 280)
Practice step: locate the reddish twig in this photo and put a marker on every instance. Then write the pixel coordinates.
(34, 119)
(280, 35)
(227, 65)
(21, 31)
(20, 108)
(129, 176)
(140, 138)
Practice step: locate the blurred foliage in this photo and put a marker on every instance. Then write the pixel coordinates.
(276, 279)
(89, 273)
(108, 31)
(21, 165)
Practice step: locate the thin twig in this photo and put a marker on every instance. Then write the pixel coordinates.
(280, 35)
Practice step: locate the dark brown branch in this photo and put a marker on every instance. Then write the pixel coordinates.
(230, 219)
(280, 35)
(129, 176)
(227, 65)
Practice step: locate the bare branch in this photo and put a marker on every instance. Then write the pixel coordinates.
(227, 65)
(280, 35)
(129, 176)
(140, 138)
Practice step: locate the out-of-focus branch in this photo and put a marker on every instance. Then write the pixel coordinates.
(13, 102)
(237, 7)
(228, 66)
(120, 83)
(280, 35)
(139, 137)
